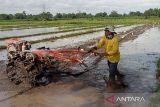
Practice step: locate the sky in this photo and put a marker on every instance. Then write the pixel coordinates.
(69, 6)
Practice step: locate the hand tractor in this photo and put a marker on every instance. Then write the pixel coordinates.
(39, 66)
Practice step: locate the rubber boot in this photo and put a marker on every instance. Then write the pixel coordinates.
(111, 84)
(120, 82)
(120, 76)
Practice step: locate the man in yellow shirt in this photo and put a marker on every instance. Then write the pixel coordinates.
(110, 41)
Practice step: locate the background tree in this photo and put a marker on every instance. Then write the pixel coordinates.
(6, 16)
(102, 14)
(48, 16)
(114, 14)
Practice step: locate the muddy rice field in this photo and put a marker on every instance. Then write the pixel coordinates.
(139, 47)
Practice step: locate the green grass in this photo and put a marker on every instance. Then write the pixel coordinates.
(77, 22)
(155, 98)
(158, 68)
(154, 101)
(158, 75)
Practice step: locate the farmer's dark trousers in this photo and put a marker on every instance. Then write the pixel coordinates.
(113, 71)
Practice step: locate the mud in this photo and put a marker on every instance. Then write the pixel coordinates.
(69, 92)
(137, 63)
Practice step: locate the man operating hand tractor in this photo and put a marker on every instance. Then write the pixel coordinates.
(110, 41)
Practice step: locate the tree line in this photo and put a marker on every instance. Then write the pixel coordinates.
(48, 16)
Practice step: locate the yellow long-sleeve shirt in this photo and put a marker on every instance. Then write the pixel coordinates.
(111, 48)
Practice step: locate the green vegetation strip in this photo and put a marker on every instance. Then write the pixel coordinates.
(158, 69)
(154, 101)
(158, 75)
(78, 22)
(61, 31)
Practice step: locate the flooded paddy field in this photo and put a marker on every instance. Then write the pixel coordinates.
(138, 55)
(46, 37)
(138, 59)
(67, 42)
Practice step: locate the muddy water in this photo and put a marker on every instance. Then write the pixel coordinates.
(124, 29)
(3, 54)
(62, 94)
(137, 63)
(12, 33)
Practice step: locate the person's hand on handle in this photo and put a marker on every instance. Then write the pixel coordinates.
(92, 49)
(99, 54)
